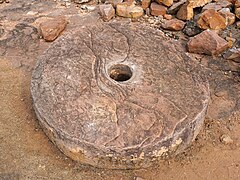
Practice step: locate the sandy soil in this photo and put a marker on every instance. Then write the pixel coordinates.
(26, 153)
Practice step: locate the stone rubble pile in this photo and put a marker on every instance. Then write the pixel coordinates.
(199, 19)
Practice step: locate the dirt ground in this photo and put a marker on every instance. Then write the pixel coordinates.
(26, 152)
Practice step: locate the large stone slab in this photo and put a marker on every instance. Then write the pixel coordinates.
(119, 95)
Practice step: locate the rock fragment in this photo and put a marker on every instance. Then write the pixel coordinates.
(129, 10)
(211, 19)
(217, 5)
(81, 1)
(146, 4)
(191, 28)
(229, 17)
(176, 6)
(174, 24)
(157, 9)
(226, 139)
(107, 11)
(52, 28)
(167, 3)
(233, 54)
(208, 42)
(199, 3)
(186, 11)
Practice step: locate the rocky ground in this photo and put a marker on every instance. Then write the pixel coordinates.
(25, 151)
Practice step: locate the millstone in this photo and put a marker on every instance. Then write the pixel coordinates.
(118, 95)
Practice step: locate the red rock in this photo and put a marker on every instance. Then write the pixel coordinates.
(237, 12)
(211, 19)
(167, 3)
(199, 3)
(217, 5)
(157, 9)
(237, 4)
(186, 11)
(174, 24)
(176, 6)
(208, 42)
(52, 28)
(146, 4)
(168, 16)
(107, 11)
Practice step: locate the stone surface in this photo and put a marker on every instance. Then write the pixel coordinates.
(233, 54)
(199, 3)
(211, 19)
(217, 5)
(176, 6)
(229, 17)
(146, 4)
(95, 114)
(208, 42)
(168, 16)
(52, 28)
(81, 1)
(186, 11)
(107, 11)
(191, 28)
(174, 24)
(129, 10)
(165, 2)
(237, 13)
(157, 9)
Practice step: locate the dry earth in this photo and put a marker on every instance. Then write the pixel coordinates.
(25, 151)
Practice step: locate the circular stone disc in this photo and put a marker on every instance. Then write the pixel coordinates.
(119, 95)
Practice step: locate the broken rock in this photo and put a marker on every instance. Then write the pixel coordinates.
(186, 11)
(229, 17)
(199, 3)
(176, 6)
(52, 28)
(211, 19)
(165, 2)
(146, 4)
(174, 24)
(208, 42)
(233, 54)
(129, 10)
(107, 11)
(157, 9)
(191, 28)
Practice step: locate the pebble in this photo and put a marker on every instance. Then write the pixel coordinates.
(226, 139)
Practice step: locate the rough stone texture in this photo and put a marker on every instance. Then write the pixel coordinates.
(237, 13)
(146, 4)
(199, 3)
(186, 11)
(157, 9)
(229, 17)
(81, 1)
(207, 42)
(233, 54)
(176, 6)
(211, 19)
(191, 28)
(107, 11)
(165, 2)
(129, 10)
(99, 121)
(174, 24)
(52, 28)
(217, 5)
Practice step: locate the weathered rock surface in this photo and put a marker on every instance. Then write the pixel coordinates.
(186, 11)
(199, 3)
(217, 5)
(174, 24)
(207, 42)
(191, 28)
(146, 4)
(233, 54)
(176, 6)
(157, 9)
(107, 11)
(211, 19)
(165, 2)
(52, 28)
(229, 17)
(104, 102)
(129, 10)
(81, 1)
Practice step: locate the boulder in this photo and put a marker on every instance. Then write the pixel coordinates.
(208, 42)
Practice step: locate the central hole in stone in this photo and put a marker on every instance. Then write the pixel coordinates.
(120, 72)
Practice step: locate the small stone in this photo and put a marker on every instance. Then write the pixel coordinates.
(230, 41)
(146, 4)
(167, 3)
(191, 28)
(211, 19)
(176, 6)
(186, 11)
(157, 9)
(168, 16)
(52, 28)
(229, 17)
(208, 42)
(113, 2)
(107, 11)
(148, 12)
(237, 13)
(233, 54)
(199, 3)
(174, 24)
(81, 1)
(129, 10)
(225, 139)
